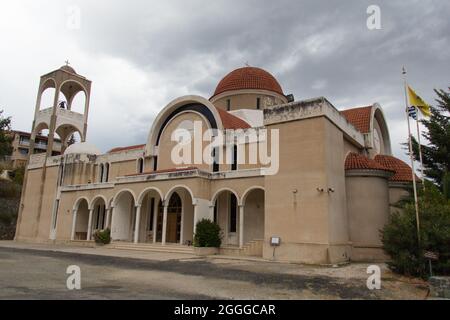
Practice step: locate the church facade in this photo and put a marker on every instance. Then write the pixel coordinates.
(308, 183)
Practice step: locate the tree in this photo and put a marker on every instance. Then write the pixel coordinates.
(399, 236)
(5, 136)
(436, 155)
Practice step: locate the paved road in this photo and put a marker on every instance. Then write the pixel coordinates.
(35, 274)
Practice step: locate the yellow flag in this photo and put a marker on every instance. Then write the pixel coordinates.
(416, 101)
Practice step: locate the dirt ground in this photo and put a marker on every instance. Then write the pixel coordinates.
(27, 272)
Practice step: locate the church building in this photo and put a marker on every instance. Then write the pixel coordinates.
(321, 194)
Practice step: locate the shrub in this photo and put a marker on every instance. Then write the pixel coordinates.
(208, 234)
(400, 241)
(102, 236)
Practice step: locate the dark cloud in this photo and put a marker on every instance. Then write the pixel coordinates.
(142, 54)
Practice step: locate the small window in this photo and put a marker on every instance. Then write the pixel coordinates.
(216, 217)
(215, 155)
(107, 172)
(228, 104)
(235, 158)
(258, 103)
(155, 163)
(233, 213)
(100, 178)
(140, 165)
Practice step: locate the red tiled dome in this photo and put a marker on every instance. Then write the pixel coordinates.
(355, 161)
(403, 172)
(248, 78)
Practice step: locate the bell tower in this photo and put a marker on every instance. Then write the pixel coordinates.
(59, 118)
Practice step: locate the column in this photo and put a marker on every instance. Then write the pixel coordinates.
(164, 230)
(182, 226)
(195, 218)
(241, 226)
(137, 223)
(108, 217)
(74, 224)
(89, 230)
(155, 220)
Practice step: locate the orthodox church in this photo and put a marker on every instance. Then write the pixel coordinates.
(324, 187)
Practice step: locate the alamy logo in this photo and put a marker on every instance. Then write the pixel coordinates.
(374, 19)
(196, 146)
(74, 279)
(374, 280)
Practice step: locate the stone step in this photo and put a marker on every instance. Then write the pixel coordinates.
(152, 247)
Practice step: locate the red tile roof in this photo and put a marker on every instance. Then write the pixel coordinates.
(120, 149)
(403, 172)
(162, 171)
(355, 161)
(248, 78)
(359, 117)
(230, 121)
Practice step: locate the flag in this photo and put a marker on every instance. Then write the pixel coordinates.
(416, 101)
(412, 111)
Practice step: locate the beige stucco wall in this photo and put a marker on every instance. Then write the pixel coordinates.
(368, 210)
(303, 218)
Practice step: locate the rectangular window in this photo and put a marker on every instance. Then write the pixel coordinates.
(233, 213)
(155, 163)
(216, 220)
(234, 163)
(215, 155)
(258, 103)
(228, 104)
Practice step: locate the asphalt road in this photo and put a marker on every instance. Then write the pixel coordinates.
(34, 274)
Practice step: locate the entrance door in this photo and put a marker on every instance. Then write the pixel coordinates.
(172, 228)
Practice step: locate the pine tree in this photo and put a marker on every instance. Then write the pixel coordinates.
(5, 136)
(436, 154)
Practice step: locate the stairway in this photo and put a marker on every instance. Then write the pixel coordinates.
(253, 248)
(150, 247)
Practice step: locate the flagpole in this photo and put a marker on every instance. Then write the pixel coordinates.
(416, 202)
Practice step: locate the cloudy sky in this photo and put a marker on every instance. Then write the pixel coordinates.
(142, 54)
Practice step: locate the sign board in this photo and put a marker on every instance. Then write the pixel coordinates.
(431, 255)
(275, 241)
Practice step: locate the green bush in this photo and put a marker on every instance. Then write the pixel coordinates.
(400, 241)
(102, 236)
(208, 234)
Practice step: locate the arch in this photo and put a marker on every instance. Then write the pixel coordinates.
(77, 202)
(247, 192)
(78, 102)
(71, 87)
(174, 188)
(95, 200)
(378, 115)
(194, 103)
(119, 193)
(146, 191)
(47, 83)
(39, 127)
(65, 130)
(218, 192)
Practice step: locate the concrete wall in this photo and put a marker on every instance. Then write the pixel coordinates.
(368, 210)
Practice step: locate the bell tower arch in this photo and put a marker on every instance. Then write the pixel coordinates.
(59, 117)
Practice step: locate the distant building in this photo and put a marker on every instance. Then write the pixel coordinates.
(21, 147)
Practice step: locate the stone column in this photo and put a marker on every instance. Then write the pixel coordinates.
(137, 223)
(195, 218)
(89, 230)
(108, 217)
(155, 220)
(241, 226)
(74, 224)
(164, 230)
